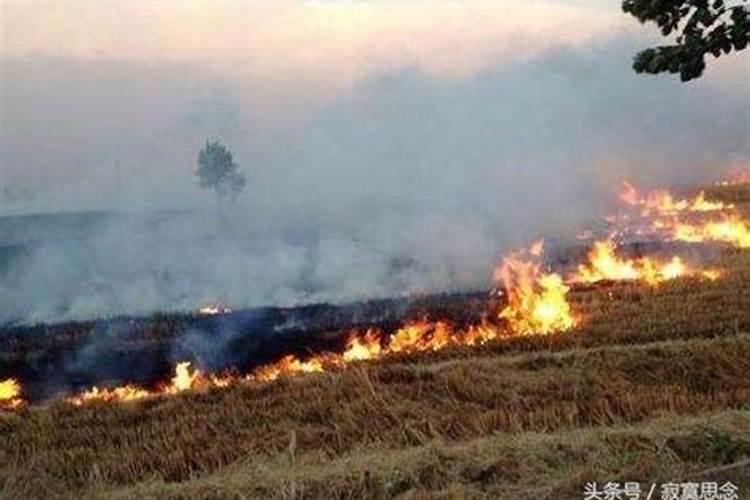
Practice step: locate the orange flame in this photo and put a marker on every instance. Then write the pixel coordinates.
(363, 348)
(10, 394)
(662, 202)
(184, 379)
(604, 264)
(285, 366)
(537, 249)
(537, 304)
(420, 336)
(122, 393)
(731, 230)
(537, 301)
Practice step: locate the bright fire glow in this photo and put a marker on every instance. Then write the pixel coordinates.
(537, 301)
(288, 365)
(421, 336)
(536, 305)
(122, 393)
(363, 348)
(213, 309)
(731, 230)
(10, 394)
(184, 379)
(604, 264)
(662, 202)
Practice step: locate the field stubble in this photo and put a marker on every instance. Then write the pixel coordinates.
(652, 386)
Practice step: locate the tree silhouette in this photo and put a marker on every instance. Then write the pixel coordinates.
(218, 171)
(703, 27)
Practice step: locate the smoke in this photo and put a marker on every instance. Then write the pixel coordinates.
(405, 183)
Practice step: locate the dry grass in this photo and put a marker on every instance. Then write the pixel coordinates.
(652, 386)
(381, 408)
(518, 466)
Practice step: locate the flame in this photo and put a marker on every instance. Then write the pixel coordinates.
(9, 389)
(712, 274)
(214, 309)
(184, 379)
(537, 248)
(480, 334)
(604, 264)
(10, 394)
(420, 336)
(363, 348)
(536, 304)
(731, 230)
(680, 219)
(287, 365)
(629, 194)
(122, 393)
(536, 301)
(662, 202)
(539, 306)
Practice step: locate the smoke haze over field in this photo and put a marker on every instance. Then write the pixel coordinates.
(372, 170)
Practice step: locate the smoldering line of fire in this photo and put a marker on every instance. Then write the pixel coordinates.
(536, 301)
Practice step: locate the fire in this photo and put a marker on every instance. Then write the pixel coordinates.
(731, 230)
(10, 394)
(480, 334)
(418, 336)
(712, 274)
(683, 219)
(701, 204)
(214, 309)
(122, 393)
(536, 301)
(184, 379)
(287, 365)
(662, 202)
(421, 336)
(604, 264)
(537, 249)
(362, 348)
(537, 304)
(9, 389)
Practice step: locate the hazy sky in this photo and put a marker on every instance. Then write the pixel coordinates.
(110, 95)
(335, 41)
(390, 146)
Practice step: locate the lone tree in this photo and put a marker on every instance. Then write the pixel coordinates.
(703, 27)
(218, 171)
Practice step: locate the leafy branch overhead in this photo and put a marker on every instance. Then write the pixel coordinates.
(703, 27)
(218, 171)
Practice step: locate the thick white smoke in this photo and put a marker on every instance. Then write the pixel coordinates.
(407, 183)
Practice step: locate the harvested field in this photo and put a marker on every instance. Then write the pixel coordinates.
(650, 386)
